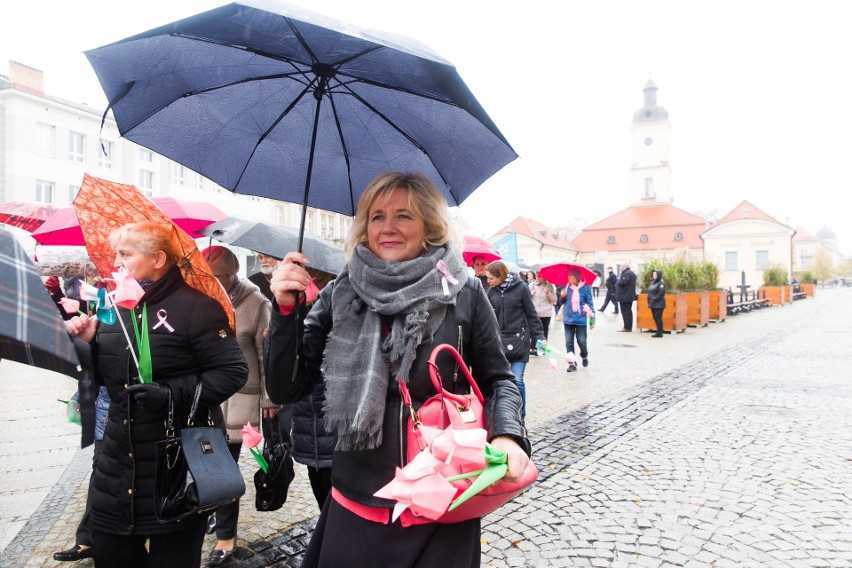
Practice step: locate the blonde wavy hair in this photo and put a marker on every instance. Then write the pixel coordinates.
(424, 200)
(149, 237)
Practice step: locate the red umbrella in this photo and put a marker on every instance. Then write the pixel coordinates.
(474, 246)
(26, 215)
(558, 273)
(63, 228)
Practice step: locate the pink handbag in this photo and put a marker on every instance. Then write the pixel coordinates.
(463, 411)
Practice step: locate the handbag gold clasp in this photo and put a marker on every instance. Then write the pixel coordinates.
(466, 414)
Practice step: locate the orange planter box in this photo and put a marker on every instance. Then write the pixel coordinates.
(718, 305)
(808, 289)
(674, 316)
(774, 294)
(697, 308)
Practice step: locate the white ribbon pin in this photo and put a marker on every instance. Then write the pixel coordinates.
(161, 320)
(445, 276)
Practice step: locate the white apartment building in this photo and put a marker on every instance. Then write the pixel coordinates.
(47, 144)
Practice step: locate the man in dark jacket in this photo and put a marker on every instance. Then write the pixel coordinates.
(610, 291)
(625, 293)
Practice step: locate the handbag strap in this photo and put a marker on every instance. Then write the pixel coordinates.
(435, 375)
(192, 409)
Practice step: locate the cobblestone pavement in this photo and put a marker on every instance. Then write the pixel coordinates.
(727, 445)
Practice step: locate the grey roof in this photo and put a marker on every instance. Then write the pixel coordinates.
(650, 112)
(826, 234)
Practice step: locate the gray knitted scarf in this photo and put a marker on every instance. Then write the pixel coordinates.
(358, 361)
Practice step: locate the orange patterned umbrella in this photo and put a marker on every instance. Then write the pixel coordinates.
(103, 206)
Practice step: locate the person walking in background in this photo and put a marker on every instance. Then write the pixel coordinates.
(510, 297)
(596, 285)
(196, 346)
(479, 263)
(625, 293)
(403, 292)
(577, 309)
(251, 316)
(657, 299)
(544, 299)
(267, 265)
(610, 282)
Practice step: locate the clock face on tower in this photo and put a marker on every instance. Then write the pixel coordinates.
(649, 141)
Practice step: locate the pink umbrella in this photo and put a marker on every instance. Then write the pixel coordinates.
(26, 215)
(62, 228)
(558, 273)
(474, 246)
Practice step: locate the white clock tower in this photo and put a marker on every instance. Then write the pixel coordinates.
(650, 134)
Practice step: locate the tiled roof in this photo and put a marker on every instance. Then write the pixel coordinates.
(746, 210)
(651, 227)
(538, 231)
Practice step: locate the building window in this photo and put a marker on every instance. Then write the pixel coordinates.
(146, 156)
(610, 240)
(46, 140)
(678, 236)
(761, 259)
(309, 222)
(76, 146)
(105, 154)
(327, 226)
(199, 181)
(44, 191)
(649, 187)
(146, 182)
(279, 215)
(806, 260)
(178, 174)
(731, 260)
(347, 226)
(73, 190)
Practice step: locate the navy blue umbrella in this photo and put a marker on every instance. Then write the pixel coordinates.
(271, 100)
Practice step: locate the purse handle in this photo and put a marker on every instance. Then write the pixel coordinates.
(170, 419)
(435, 375)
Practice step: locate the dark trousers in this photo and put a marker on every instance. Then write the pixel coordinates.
(177, 549)
(228, 515)
(627, 314)
(545, 323)
(84, 531)
(610, 297)
(320, 483)
(358, 543)
(658, 319)
(581, 333)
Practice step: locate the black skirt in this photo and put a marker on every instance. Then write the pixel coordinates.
(342, 538)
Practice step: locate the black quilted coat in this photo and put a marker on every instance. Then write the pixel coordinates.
(470, 323)
(201, 348)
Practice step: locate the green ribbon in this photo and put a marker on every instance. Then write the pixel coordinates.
(143, 347)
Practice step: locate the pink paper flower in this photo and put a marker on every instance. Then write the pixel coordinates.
(417, 487)
(553, 363)
(461, 448)
(570, 358)
(70, 305)
(251, 437)
(128, 292)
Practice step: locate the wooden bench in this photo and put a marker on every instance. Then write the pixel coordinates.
(747, 306)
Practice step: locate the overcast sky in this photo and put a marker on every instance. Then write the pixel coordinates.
(759, 93)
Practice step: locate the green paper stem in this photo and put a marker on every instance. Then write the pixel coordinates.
(146, 367)
(261, 461)
(489, 476)
(62, 401)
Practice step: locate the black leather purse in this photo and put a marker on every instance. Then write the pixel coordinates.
(195, 471)
(270, 487)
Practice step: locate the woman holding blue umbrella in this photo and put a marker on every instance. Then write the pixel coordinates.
(404, 291)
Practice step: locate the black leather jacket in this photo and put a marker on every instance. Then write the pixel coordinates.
(470, 323)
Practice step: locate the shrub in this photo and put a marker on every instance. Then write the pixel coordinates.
(808, 277)
(774, 276)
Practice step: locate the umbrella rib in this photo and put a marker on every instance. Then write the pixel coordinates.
(408, 137)
(345, 150)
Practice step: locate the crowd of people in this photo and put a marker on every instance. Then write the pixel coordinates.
(321, 366)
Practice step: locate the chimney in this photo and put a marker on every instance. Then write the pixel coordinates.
(26, 78)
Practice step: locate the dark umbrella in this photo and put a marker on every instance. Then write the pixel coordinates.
(251, 93)
(276, 241)
(31, 329)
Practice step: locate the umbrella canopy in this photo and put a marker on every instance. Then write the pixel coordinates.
(474, 246)
(103, 206)
(26, 215)
(252, 93)
(32, 329)
(63, 228)
(276, 242)
(558, 273)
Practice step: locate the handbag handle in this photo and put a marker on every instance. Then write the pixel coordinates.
(170, 417)
(435, 375)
